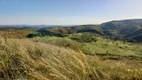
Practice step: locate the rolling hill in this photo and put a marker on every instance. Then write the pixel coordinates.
(127, 29)
(122, 27)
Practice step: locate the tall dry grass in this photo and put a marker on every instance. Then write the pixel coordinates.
(33, 60)
(25, 59)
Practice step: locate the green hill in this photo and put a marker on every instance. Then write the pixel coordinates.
(122, 27)
(63, 31)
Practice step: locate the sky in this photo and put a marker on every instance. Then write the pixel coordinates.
(67, 12)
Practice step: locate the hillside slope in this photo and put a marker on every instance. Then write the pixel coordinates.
(63, 31)
(33, 60)
(24, 59)
(122, 27)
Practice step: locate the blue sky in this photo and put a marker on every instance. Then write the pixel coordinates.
(68, 12)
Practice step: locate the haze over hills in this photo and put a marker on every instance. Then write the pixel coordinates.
(127, 29)
(123, 29)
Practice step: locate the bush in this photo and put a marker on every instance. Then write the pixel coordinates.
(84, 37)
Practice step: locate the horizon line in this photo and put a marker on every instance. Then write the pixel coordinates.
(67, 24)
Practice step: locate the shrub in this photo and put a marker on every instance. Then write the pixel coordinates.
(84, 37)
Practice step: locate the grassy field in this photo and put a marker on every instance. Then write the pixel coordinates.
(98, 46)
(14, 33)
(75, 57)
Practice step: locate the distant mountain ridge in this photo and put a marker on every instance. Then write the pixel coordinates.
(130, 30)
(123, 28)
(127, 29)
